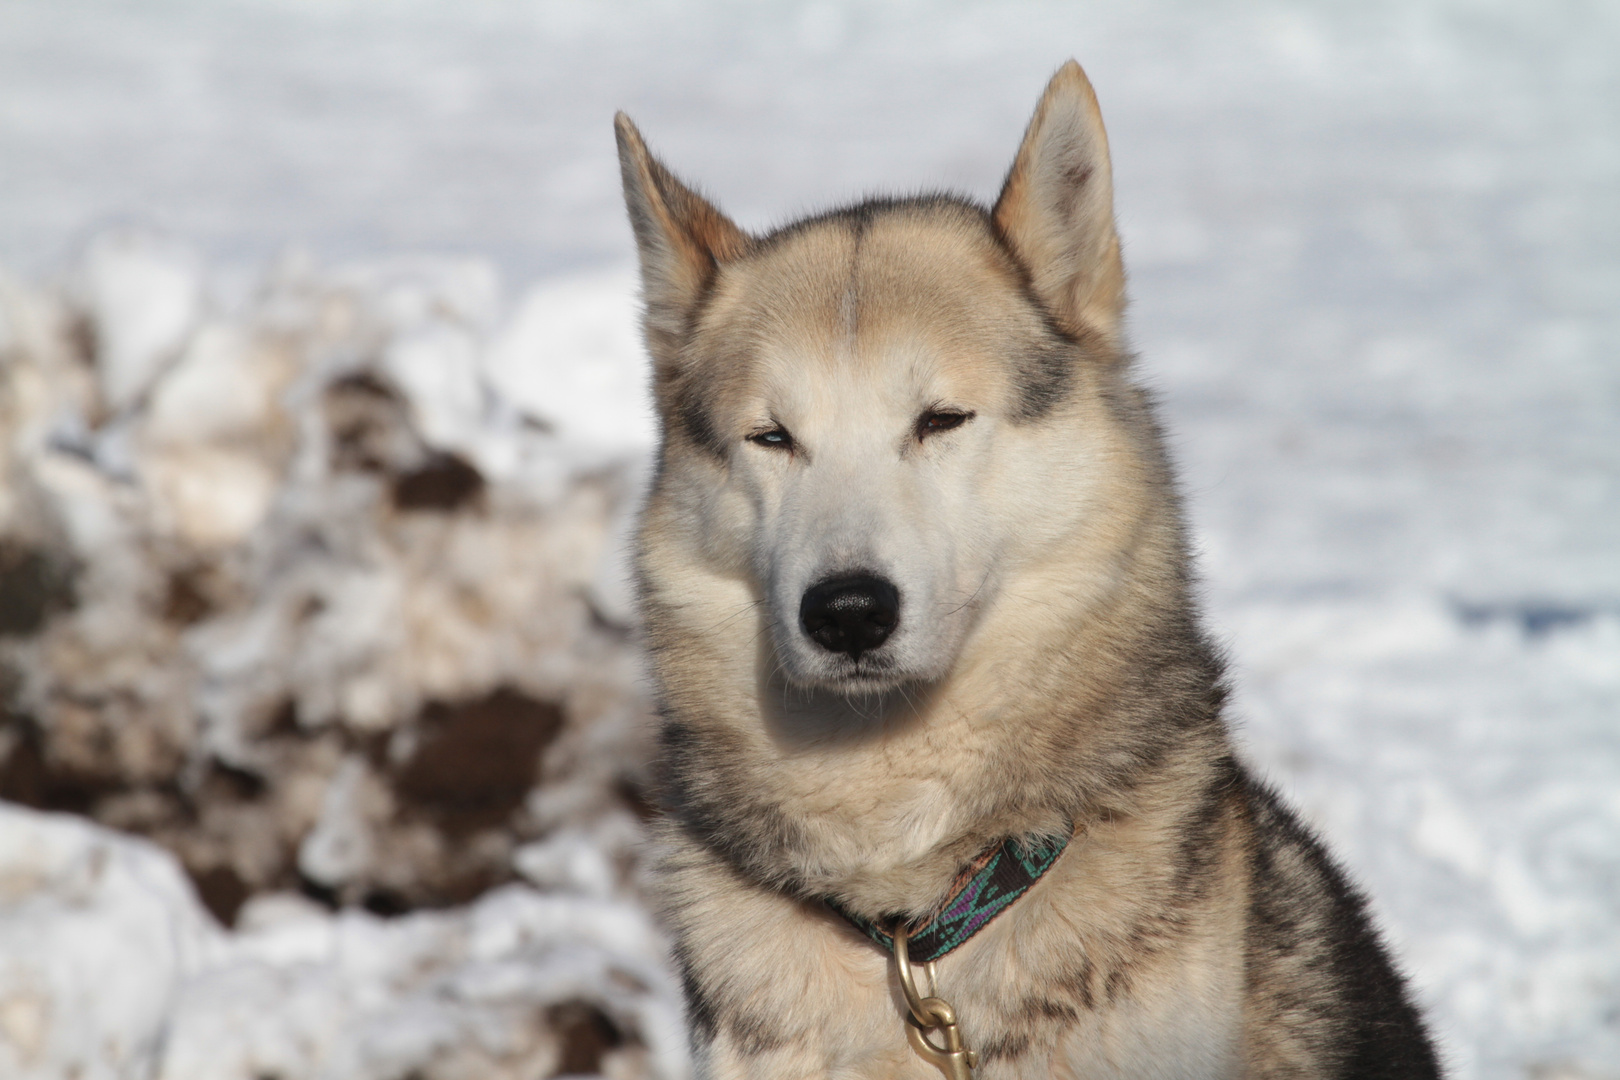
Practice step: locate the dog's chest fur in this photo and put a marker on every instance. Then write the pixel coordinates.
(1077, 978)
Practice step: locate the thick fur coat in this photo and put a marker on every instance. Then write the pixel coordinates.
(923, 408)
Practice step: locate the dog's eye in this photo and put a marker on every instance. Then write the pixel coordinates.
(777, 438)
(936, 420)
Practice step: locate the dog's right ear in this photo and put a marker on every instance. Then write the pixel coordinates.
(681, 238)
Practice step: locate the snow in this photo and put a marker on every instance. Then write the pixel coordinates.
(97, 933)
(591, 376)
(112, 969)
(142, 297)
(1374, 248)
(454, 994)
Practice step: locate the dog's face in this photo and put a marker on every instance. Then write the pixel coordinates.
(860, 388)
(866, 414)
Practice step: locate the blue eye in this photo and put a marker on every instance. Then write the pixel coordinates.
(776, 438)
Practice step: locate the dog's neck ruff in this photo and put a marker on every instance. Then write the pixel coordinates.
(986, 887)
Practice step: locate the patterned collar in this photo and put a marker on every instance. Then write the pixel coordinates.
(984, 889)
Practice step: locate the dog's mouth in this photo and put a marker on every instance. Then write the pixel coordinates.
(863, 675)
(854, 675)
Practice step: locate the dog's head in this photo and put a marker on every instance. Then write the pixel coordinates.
(878, 421)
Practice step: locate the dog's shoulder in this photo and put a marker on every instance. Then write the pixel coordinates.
(1321, 986)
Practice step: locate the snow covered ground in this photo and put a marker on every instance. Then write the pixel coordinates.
(1375, 253)
(110, 969)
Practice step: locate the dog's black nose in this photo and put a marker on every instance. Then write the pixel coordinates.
(850, 614)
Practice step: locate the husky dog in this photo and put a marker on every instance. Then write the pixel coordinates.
(916, 584)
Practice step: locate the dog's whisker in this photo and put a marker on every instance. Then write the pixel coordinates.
(735, 615)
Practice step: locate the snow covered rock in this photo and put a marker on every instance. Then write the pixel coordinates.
(293, 585)
(298, 589)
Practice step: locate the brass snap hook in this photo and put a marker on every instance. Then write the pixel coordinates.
(953, 1059)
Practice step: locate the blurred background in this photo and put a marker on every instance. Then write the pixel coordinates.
(323, 738)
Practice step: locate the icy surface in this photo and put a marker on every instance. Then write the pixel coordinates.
(1375, 252)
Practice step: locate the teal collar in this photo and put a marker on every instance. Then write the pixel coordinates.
(986, 888)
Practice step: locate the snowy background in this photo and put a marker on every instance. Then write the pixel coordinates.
(320, 412)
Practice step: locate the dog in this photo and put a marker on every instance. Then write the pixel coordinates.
(917, 601)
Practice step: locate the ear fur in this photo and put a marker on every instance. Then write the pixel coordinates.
(1056, 208)
(681, 239)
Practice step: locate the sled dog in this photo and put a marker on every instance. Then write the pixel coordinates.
(921, 619)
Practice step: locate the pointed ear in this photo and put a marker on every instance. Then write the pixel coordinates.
(681, 239)
(1056, 208)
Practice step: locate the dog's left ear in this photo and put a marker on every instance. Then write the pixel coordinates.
(1056, 208)
(681, 238)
